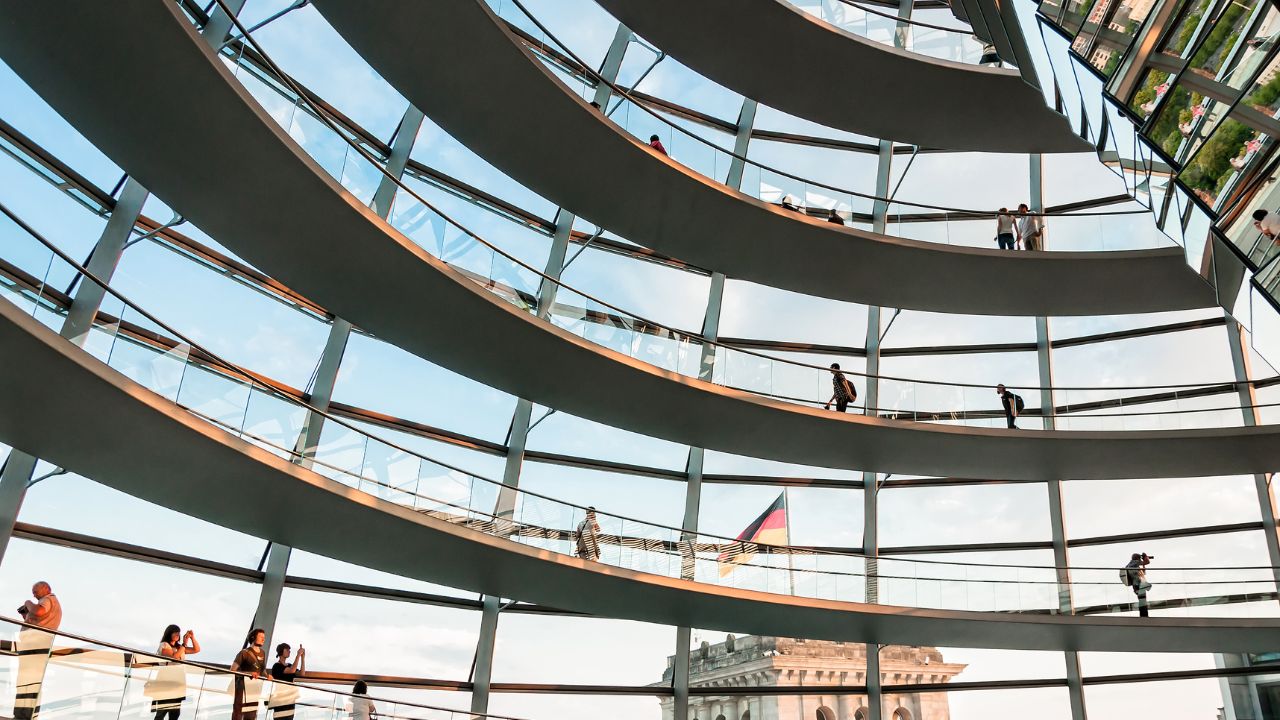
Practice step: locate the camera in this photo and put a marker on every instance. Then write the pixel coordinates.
(23, 611)
(1148, 557)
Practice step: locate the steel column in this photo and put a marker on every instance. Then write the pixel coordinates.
(741, 143)
(274, 571)
(401, 145)
(84, 307)
(1239, 348)
(555, 262)
(103, 262)
(1057, 519)
(219, 25)
(326, 377)
(514, 463)
(706, 371)
(612, 64)
(482, 673)
(17, 472)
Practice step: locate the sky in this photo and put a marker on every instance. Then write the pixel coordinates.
(128, 602)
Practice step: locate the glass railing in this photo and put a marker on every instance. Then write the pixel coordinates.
(61, 675)
(882, 26)
(1077, 408)
(1079, 91)
(708, 153)
(152, 354)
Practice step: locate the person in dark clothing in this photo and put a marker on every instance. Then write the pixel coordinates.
(284, 697)
(834, 217)
(1010, 402)
(656, 144)
(843, 391)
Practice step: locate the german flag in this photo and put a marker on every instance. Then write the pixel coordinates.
(768, 529)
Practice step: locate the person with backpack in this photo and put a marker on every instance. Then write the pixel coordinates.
(1135, 576)
(1013, 405)
(843, 391)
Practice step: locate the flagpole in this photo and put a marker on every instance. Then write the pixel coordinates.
(786, 519)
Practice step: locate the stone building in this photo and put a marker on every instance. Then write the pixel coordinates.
(763, 661)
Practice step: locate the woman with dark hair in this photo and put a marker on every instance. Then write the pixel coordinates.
(249, 661)
(362, 707)
(169, 688)
(283, 697)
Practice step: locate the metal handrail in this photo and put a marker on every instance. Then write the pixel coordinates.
(625, 92)
(254, 381)
(212, 668)
(323, 114)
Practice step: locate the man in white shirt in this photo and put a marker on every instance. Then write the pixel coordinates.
(1030, 229)
(33, 648)
(1267, 223)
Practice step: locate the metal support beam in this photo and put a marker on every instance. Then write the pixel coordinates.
(1238, 345)
(1005, 14)
(741, 142)
(19, 467)
(215, 31)
(103, 262)
(875, 697)
(1126, 79)
(697, 455)
(1057, 519)
(516, 441)
(612, 64)
(482, 674)
(274, 571)
(326, 377)
(871, 400)
(555, 262)
(871, 395)
(693, 499)
(506, 504)
(401, 145)
(322, 389)
(17, 472)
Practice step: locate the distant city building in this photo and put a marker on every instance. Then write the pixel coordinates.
(1250, 697)
(773, 662)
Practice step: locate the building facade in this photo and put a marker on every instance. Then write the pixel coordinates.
(774, 662)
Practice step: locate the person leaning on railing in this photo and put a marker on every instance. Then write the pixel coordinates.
(362, 708)
(1267, 223)
(45, 614)
(250, 661)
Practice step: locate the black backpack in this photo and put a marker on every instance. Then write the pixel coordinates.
(1018, 403)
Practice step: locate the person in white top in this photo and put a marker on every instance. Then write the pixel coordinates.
(1004, 229)
(168, 689)
(1267, 223)
(45, 615)
(1030, 229)
(362, 708)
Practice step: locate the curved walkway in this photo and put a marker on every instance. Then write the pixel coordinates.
(776, 53)
(486, 89)
(137, 442)
(215, 156)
